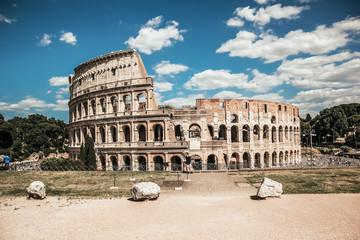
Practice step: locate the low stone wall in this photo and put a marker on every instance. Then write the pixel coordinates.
(28, 165)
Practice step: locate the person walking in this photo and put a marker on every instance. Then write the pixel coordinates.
(7, 162)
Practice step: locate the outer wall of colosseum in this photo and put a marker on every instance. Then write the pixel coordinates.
(112, 100)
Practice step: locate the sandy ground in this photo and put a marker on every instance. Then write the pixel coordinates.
(200, 211)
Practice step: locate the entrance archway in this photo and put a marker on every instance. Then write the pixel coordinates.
(159, 163)
(176, 163)
(114, 163)
(142, 163)
(212, 162)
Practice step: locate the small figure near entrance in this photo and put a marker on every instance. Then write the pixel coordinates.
(187, 163)
(7, 162)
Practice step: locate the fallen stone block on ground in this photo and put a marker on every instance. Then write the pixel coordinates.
(36, 190)
(145, 191)
(269, 188)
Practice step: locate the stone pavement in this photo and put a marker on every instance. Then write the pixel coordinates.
(209, 183)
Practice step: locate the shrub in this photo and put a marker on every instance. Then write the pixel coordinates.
(61, 164)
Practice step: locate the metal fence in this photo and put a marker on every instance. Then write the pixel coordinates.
(317, 161)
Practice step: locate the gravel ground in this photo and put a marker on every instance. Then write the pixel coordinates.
(201, 211)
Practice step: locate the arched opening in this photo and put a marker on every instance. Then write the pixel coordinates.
(126, 132)
(93, 107)
(246, 160)
(234, 118)
(256, 132)
(196, 162)
(127, 102)
(234, 161)
(127, 163)
(178, 133)
(280, 134)
(273, 134)
(142, 133)
(291, 134)
(85, 109)
(103, 163)
(266, 133)
(212, 162)
(267, 159)
(286, 133)
(142, 163)
(92, 133)
(273, 120)
(246, 133)
(273, 160)
(159, 163)
(234, 134)
(291, 160)
(114, 104)
(78, 138)
(281, 158)
(286, 157)
(211, 131)
(142, 101)
(222, 132)
(102, 134)
(113, 134)
(114, 163)
(194, 131)
(257, 160)
(176, 164)
(79, 110)
(158, 132)
(103, 105)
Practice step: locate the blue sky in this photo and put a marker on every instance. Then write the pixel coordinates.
(302, 52)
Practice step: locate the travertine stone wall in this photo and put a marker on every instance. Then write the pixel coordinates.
(112, 100)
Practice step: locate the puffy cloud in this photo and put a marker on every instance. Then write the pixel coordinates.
(167, 68)
(151, 39)
(59, 81)
(6, 19)
(272, 48)
(26, 105)
(62, 105)
(235, 22)
(68, 37)
(263, 1)
(45, 41)
(227, 95)
(214, 79)
(274, 97)
(312, 101)
(264, 15)
(61, 92)
(181, 101)
(162, 86)
(338, 70)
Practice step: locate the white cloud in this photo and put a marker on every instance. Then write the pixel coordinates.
(6, 19)
(234, 22)
(61, 92)
(155, 22)
(273, 97)
(151, 39)
(227, 95)
(162, 86)
(272, 48)
(167, 68)
(312, 101)
(181, 101)
(48, 92)
(338, 70)
(264, 15)
(263, 1)
(62, 105)
(68, 37)
(45, 41)
(214, 79)
(26, 105)
(59, 81)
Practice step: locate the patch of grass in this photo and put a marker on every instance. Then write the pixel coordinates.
(311, 181)
(76, 184)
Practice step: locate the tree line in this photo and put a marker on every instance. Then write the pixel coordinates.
(331, 123)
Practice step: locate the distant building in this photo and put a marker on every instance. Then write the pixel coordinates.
(112, 100)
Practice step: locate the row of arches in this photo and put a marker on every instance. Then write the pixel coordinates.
(242, 160)
(234, 118)
(109, 104)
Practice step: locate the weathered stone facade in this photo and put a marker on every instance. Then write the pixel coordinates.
(112, 100)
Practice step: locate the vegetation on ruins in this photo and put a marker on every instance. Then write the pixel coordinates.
(87, 153)
(20, 137)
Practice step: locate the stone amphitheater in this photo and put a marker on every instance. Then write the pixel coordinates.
(112, 100)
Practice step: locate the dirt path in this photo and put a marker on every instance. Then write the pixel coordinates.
(200, 211)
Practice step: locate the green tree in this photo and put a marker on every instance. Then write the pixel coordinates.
(6, 139)
(87, 153)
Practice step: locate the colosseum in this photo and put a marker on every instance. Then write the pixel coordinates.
(112, 100)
